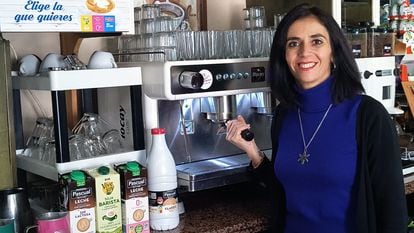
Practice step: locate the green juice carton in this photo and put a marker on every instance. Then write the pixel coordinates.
(108, 200)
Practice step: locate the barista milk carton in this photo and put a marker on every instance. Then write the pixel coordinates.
(108, 200)
(77, 197)
(134, 194)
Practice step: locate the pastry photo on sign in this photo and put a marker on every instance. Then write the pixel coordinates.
(100, 6)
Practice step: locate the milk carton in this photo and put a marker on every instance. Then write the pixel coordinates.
(134, 194)
(77, 197)
(108, 200)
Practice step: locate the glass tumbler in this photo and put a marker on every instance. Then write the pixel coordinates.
(49, 152)
(150, 11)
(201, 44)
(91, 127)
(41, 134)
(112, 141)
(215, 44)
(78, 148)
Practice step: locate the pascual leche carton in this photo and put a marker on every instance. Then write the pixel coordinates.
(134, 195)
(77, 197)
(108, 200)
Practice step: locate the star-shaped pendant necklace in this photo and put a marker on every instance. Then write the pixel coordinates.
(304, 157)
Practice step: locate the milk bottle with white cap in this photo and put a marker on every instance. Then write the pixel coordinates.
(162, 184)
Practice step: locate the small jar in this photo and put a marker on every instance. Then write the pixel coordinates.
(357, 39)
(395, 12)
(393, 24)
(380, 42)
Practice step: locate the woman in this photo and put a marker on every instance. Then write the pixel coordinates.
(335, 165)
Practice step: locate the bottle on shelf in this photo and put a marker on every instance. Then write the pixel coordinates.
(162, 184)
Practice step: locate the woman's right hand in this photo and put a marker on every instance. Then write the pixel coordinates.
(234, 129)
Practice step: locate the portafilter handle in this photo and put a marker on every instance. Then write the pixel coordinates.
(247, 135)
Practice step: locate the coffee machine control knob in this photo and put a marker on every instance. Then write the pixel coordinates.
(367, 74)
(191, 80)
(196, 80)
(208, 79)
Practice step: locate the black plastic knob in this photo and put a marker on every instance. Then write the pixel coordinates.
(367, 74)
(247, 135)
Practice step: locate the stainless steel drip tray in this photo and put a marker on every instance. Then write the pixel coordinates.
(213, 173)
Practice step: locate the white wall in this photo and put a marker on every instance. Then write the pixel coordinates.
(225, 15)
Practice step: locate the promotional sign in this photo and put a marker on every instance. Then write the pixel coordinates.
(66, 15)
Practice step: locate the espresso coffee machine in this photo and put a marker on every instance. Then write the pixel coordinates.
(193, 100)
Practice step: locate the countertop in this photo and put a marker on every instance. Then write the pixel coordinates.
(236, 208)
(231, 209)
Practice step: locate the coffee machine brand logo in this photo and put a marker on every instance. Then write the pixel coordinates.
(258, 74)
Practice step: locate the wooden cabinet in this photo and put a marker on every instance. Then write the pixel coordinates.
(345, 12)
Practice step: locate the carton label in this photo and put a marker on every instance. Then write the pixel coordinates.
(80, 198)
(82, 220)
(163, 203)
(135, 215)
(136, 187)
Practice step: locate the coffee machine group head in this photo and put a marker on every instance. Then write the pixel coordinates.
(224, 108)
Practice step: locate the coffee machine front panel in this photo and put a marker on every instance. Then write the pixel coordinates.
(176, 80)
(194, 100)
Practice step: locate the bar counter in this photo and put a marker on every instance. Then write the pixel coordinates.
(236, 208)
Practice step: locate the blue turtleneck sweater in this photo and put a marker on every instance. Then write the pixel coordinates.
(318, 193)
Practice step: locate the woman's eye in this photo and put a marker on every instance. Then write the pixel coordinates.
(317, 42)
(292, 44)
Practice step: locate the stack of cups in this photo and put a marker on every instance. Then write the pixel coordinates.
(154, 38)
(164, 33)
(202, 45)
(257, 17)
(246, 18)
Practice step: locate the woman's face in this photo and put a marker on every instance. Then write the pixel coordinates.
(308, 52)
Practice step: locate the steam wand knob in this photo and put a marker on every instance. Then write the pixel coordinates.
(247, 135)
